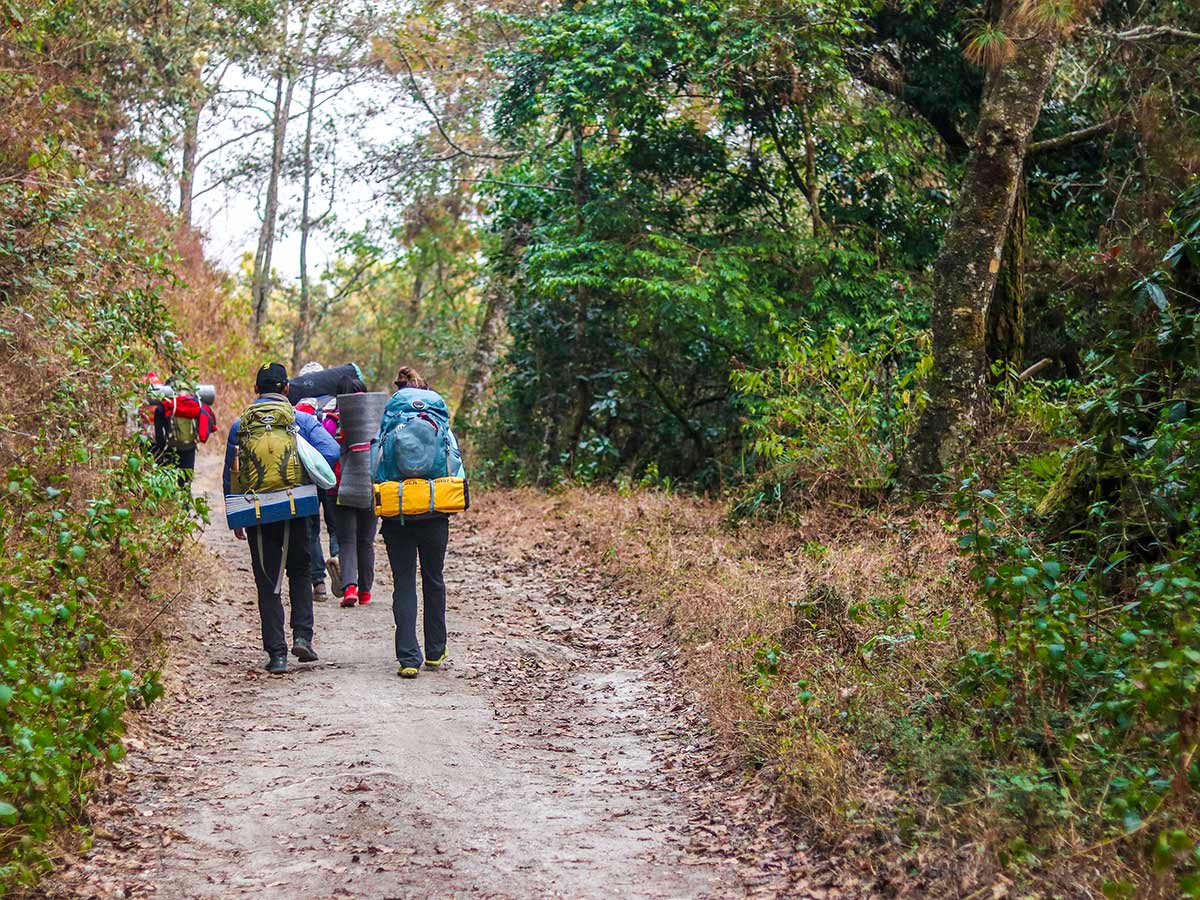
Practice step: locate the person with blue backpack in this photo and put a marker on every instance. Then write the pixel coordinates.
(415, 441)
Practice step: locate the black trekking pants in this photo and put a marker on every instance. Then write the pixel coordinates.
(267, 560)
(426, 540)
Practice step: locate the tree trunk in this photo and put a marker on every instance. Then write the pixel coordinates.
(485, 355)
(304, 311)
(967, 266)
(812, 187)
(285, 83)
(417, 294)
(583, 387)
(1006, 312)
(187, 169)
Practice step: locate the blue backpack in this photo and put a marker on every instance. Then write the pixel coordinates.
(415, 440)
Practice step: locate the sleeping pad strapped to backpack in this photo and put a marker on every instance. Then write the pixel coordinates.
(267, 459)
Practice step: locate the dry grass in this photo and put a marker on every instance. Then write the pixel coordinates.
(812, 645)
(825, 652)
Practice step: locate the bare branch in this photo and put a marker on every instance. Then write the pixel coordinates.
(416, 88)
(1071, 138)
(516, 184)
(1148, 33)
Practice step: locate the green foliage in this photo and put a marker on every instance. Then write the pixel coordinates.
(665, 225)
(64, 685)
(1087, 694)
(828, 418)
(84, 514)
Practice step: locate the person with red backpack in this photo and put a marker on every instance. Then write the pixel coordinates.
(355, 527)
(312, 406)
(182, 421)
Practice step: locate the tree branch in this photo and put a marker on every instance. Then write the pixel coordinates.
(1148, 33)
(516, 184)
(893, 85)
(417, 92)
(1071, 138)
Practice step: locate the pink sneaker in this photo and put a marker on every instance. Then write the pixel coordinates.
(350, 597)
(364, 598)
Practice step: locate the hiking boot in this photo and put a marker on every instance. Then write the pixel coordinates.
(408, 671)
(436, 663)
(364, 598)
(277, 664)
(350, 597)
(335, 575)
(303, 650)
(320, 595)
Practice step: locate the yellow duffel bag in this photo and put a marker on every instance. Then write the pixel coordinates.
(421, 496)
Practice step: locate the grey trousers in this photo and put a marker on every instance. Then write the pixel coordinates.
(356, 543)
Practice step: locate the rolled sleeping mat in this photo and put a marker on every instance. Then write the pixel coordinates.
(207, 393)
(360, 417)
(320, 384)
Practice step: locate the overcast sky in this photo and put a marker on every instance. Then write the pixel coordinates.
(361, 119)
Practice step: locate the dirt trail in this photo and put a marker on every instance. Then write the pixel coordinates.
(552, 758)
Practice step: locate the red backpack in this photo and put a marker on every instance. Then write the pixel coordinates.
(184, 417)
(207, 423)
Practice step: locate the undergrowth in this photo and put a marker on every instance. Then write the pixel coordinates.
(1000, 695)
(88, 525)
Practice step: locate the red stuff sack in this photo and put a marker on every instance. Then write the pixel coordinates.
(183, 406)
(206, 424)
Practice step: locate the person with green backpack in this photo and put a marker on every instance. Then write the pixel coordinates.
(263, 457)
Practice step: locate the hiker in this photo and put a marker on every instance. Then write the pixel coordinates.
(256, 460)
(312, 406)
(355, 526)
(182, 421)
(412, 538)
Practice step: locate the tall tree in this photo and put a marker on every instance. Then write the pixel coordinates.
(285, 76)
(215, 35)
(969, 262)
(304, 310)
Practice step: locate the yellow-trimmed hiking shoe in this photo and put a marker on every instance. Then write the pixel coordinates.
(408, 671)
(436, 663)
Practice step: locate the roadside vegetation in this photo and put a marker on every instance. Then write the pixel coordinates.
(95, 537)
(870, 329)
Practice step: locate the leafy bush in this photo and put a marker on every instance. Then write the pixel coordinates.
(829, 418)
(84, 514)
(1089, 689)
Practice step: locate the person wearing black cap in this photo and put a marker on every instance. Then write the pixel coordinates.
(271, 550)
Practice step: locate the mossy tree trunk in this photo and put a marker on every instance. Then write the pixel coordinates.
(966, 269)
(1006, 312)
(484, 357)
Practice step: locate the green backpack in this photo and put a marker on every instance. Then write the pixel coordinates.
(267, 459)
(184, 433)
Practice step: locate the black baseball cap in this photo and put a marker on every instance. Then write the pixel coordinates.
(272, 378)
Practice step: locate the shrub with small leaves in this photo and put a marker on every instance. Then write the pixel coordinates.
(84, 511)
